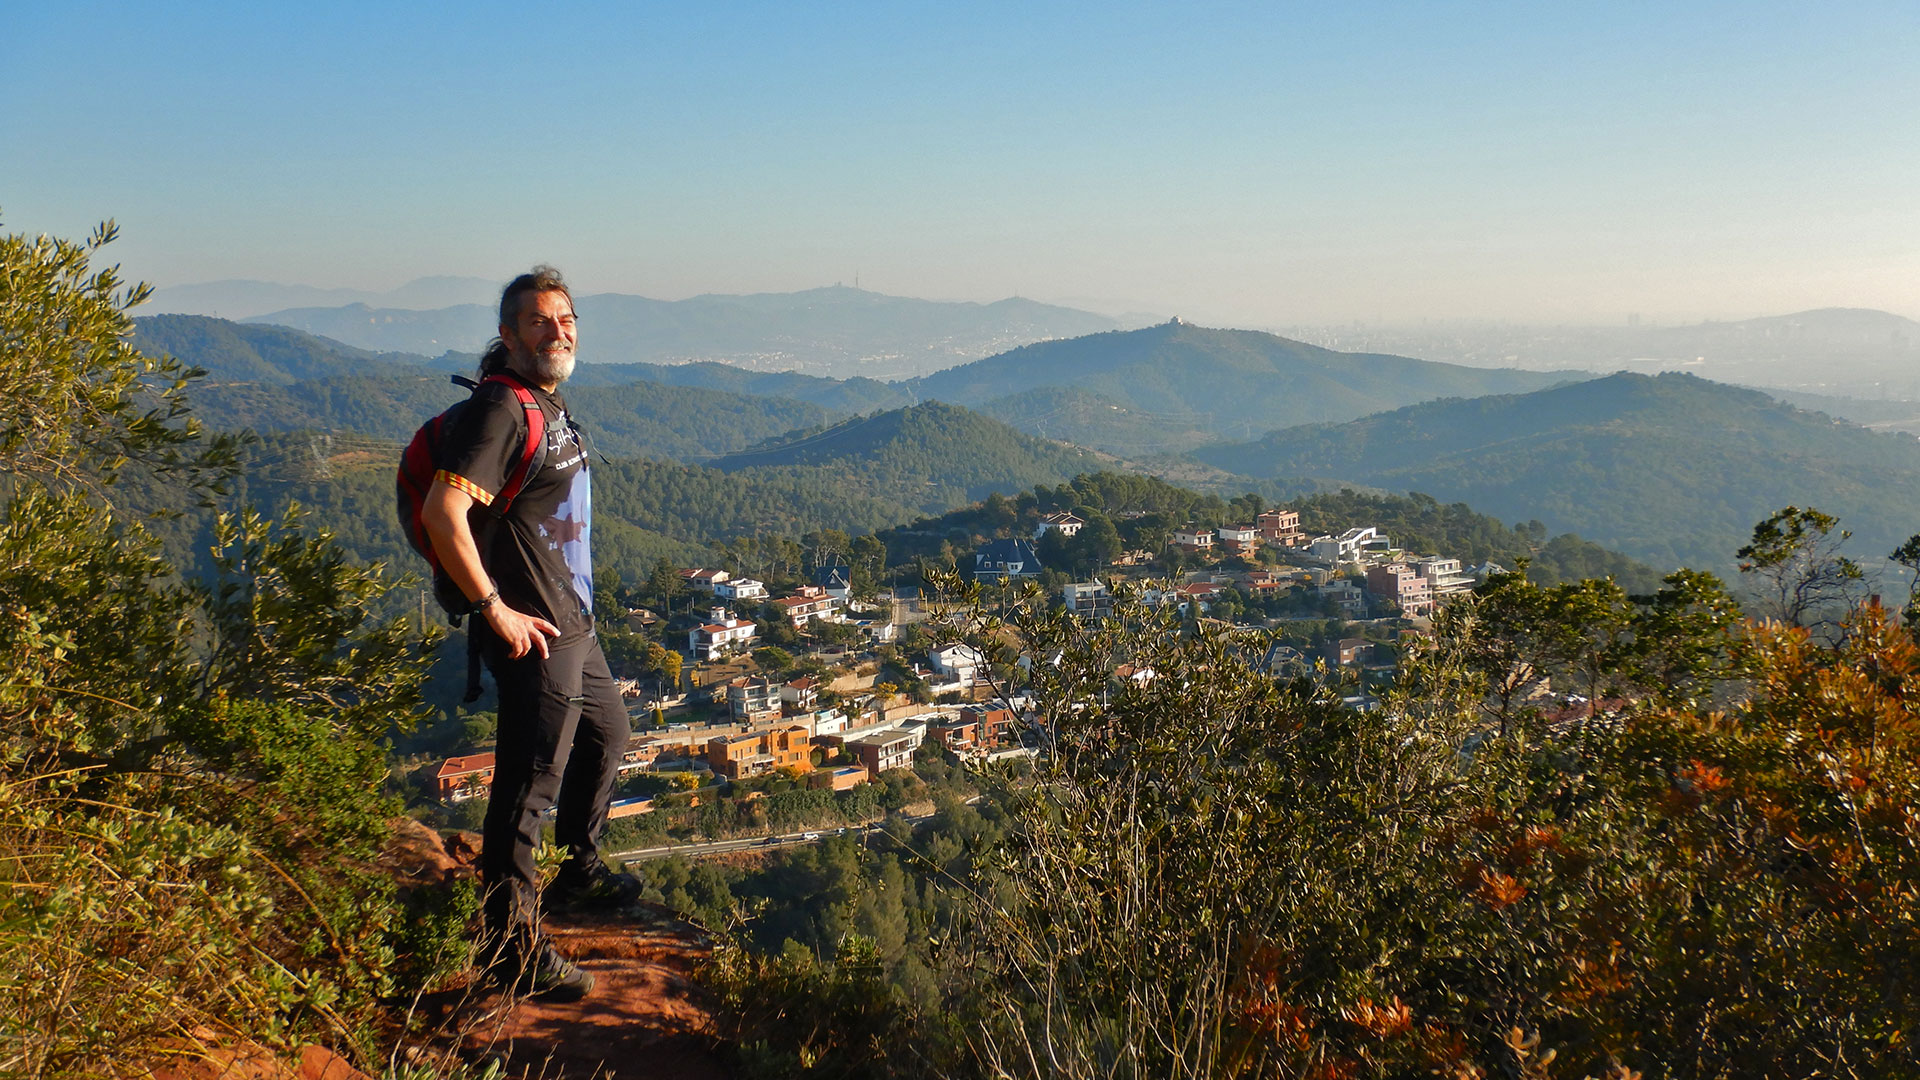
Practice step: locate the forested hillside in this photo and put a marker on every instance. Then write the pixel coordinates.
(838, 396)
(237, 352)
(1083, 416)
(1670, 469)
(1176, 378)
(932, 456)
(632, 420)
(274, 379)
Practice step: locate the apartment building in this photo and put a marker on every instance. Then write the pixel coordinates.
(885, 750)
(1087, 599)
(1403, 586)
(1444, 576)
(752, 753)
(753, 699)
(1281, 527)
(1354, 545)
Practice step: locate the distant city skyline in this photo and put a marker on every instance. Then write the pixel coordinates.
(1246, 164)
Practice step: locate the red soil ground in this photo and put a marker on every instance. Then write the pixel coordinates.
(645, 1019)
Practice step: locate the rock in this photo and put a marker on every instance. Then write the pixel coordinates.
(204, 1059)
(416, 855)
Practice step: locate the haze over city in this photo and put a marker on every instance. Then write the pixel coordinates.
(1246, 165)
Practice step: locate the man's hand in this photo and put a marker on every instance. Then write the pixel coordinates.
(445, 516)
(520, 632)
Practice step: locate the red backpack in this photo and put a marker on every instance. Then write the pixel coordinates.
(420, 461)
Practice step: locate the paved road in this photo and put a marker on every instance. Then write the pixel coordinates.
(716, 847)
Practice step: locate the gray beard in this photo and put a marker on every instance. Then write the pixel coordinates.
(545, 367)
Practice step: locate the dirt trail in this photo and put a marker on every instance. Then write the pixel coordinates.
(645, 1019)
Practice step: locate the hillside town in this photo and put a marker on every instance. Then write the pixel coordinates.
(833, 681)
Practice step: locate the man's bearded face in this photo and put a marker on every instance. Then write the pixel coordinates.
(541, 344)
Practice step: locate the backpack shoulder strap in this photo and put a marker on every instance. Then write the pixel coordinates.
(536, 440)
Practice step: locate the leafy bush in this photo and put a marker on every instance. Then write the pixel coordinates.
(190, 774)
(1219, 874)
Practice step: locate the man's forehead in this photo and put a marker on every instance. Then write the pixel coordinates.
(549, 303)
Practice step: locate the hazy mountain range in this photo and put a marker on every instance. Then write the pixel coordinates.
(1846, 352)
(241, 299)
(1671, 468)
(1176, 385)
(834, 331)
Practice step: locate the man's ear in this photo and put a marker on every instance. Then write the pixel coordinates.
(507, 336)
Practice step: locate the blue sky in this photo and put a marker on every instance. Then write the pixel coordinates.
(1255, 164)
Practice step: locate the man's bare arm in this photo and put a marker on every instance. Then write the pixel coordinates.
(445, 516)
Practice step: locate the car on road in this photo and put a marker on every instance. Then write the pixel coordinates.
(810, 836)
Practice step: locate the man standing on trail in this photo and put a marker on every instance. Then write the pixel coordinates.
(528, 572)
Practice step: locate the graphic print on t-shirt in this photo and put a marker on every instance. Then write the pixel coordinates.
(566, 529)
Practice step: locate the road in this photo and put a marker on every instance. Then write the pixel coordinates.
(718, 847)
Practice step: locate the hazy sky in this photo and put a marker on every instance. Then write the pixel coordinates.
(1248, 164)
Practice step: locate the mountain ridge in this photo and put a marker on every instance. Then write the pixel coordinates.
(833, 330)
(1669, 468)
(1208, 381)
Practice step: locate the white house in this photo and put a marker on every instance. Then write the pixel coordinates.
(703, 579)
(1191, 539)
(720, 634)
(744, 588)
(810, 603)
(960, 663)
(1445, 576)
(1354, 545)
(1089, 599)
(1066, 524)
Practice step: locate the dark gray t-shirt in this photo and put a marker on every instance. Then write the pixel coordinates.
(539, 553)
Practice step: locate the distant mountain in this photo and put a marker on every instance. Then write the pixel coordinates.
(933, 456)
(1168, 387)
(1849, 352)
(1887, 414)
(231, 351)
(273, 379)
(245, 299)
(1671, 468)
(839, 397)
(835, 331)
(637, 419)
(462, 327)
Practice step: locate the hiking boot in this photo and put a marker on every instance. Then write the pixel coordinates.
(590, 884)
(538, 971)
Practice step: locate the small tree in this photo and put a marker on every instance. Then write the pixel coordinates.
(1797, 572)
(1908, 555)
